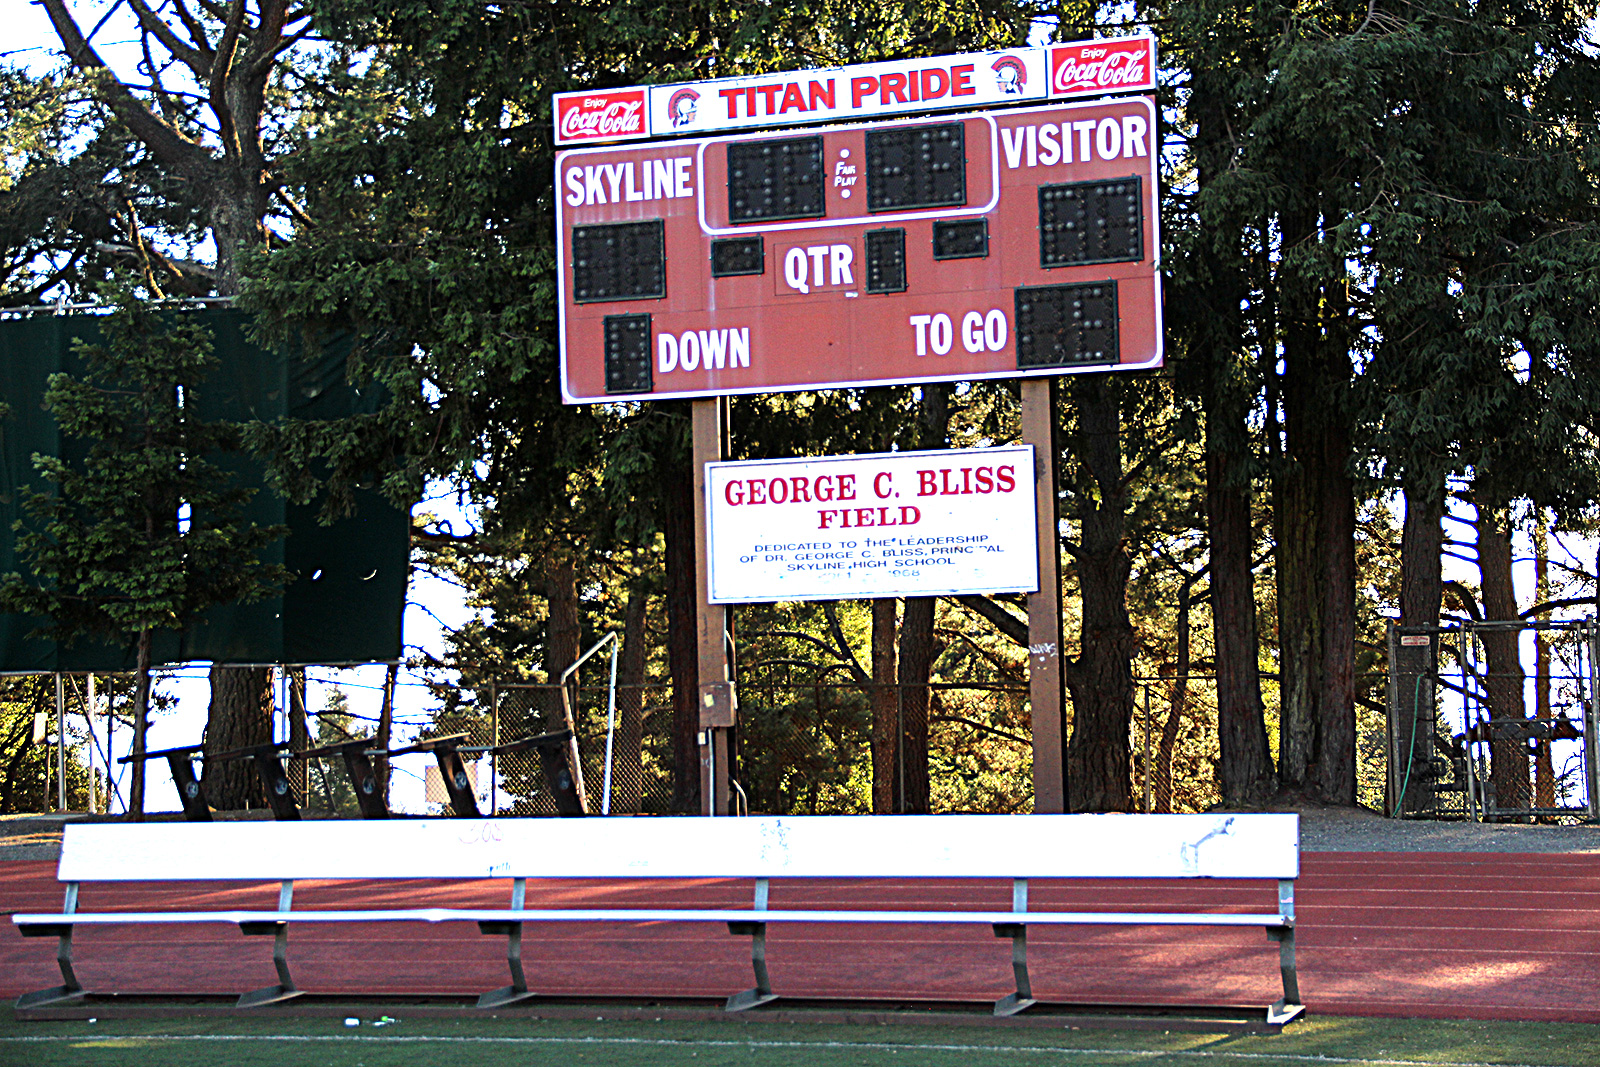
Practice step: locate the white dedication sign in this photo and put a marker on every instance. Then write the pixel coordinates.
(893, 524)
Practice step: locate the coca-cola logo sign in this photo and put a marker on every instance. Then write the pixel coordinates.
(602, 116)
(1106, 66)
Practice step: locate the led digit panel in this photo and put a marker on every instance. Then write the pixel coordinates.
(1002, 244)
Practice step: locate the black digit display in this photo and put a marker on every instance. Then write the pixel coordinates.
(773, 180)
(966, 239)
(1067, 325)
(923, 166)
(886, 261)
(733, 256)
(1090, 222)
(620, 261)
(627, 353)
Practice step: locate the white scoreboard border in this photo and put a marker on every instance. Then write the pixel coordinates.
(699, 145)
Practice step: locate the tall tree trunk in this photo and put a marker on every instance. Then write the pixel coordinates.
(385, 735)
(1177, 701)
(917, 645)
(1421, 552)
(918, 649)
(240, 716)
(1416, 666)
(635, 640)
(1245, 773)
(141, 720)
(563, 630)
(1314, 523)
(1335, 777)
(1508, 770)
(885, 707)
(683, 652)
(1101, 678)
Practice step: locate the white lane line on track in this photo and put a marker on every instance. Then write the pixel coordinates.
(885, 1046)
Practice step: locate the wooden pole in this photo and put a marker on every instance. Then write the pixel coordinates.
(1044, 607)
(717, 705)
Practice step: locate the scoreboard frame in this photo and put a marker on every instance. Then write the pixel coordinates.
(975, 314)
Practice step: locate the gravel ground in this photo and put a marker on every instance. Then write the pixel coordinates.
(38, 837)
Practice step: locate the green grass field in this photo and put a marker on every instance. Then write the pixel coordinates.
(245, 1042)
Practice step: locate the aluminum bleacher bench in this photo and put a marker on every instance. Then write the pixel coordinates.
(1161, 848)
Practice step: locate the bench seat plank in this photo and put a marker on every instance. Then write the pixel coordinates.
(812, 846)
(626, 915)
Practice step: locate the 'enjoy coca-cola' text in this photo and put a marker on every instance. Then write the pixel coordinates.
(600, 116)
(1102, 67)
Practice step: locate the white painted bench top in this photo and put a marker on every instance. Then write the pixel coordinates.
(820, 846)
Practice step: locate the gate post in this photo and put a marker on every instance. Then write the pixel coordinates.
(1591, 725)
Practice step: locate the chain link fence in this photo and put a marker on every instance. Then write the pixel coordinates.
(634, 731)
(808, 748)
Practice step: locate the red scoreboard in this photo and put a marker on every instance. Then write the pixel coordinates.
(1000, 244)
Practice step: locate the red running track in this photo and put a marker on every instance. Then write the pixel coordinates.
(1446, 935)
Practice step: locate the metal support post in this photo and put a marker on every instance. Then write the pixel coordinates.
(1290, 1006)
(88, 719)
(1044, 607)
(1592, 723)
(69, 989)
(757, 931)
(717, 701)
(518, 989)
(1022, 999)
(279, 929)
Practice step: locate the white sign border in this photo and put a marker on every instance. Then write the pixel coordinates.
(1032, 544)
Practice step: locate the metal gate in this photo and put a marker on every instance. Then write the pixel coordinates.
(1494, 721)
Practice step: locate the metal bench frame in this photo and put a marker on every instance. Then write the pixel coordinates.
(752, 922)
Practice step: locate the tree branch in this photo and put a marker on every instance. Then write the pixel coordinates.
(831, 612)
(1007, 623)
(190, 56)
(177, 152)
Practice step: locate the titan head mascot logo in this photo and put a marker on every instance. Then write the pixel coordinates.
(682, 106)
(1009, 75)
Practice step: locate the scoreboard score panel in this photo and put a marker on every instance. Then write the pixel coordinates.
(998, 244)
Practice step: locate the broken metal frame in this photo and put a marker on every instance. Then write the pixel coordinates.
(180, 761)
(1470, 751)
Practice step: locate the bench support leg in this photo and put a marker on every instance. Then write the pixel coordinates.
(1022, 999)
(762, 993)
(1289, 1007)
(285, 989)
(69, 989)
(518, 989)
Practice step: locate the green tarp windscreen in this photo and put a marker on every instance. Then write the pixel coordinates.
(346, 601)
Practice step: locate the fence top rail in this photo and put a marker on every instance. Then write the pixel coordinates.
(821, 846)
